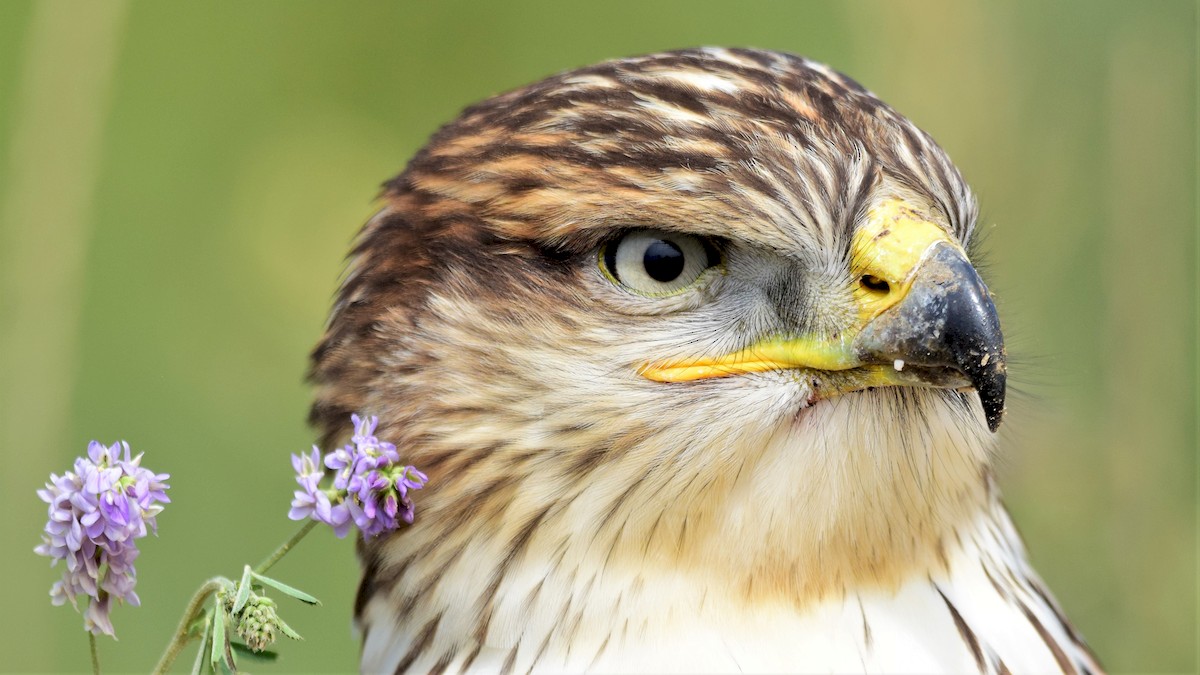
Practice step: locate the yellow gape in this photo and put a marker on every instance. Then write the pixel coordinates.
(885, 258)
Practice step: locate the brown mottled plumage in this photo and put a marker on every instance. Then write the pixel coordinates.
(580, 515)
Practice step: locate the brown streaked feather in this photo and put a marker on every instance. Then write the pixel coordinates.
(497, 173)
(566, 492)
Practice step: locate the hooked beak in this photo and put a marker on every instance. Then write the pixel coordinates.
(921, 304)
(946, 320)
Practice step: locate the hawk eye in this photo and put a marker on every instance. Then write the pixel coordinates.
(656, 262)
(663, 261)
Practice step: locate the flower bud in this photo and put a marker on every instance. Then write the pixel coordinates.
(258, 623)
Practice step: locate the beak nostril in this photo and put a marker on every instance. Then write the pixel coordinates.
(874, 283)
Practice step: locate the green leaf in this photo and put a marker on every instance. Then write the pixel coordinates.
(286, 629)
(243, 592)
(220, 644)
(199, 626)
(198, 668)
(230, 661)
(285, 589)
(265, 656)
(218, 633)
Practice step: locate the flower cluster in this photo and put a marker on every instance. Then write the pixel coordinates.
(96, 513)
(258, 623)
(370, 487)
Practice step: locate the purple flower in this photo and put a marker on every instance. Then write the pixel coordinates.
(410, 479)
(368, 445)
(95, 514)
(370, 487)
(313, 502)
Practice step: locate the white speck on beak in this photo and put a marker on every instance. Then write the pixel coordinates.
(898, 364)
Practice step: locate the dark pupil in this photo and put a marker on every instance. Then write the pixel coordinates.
(663, 261)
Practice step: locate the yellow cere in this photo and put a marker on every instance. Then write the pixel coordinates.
(888, 247)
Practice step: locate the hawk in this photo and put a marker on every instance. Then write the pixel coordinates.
(692, 350)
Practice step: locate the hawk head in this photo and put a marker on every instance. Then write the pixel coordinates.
(707, 311)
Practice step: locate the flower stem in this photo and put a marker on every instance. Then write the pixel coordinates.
(284, 548)
(95, 656)
(182, 634)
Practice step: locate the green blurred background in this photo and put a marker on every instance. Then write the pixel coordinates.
(179, 184)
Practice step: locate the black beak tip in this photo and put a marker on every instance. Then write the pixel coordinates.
(991, 388)
(994, 414)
